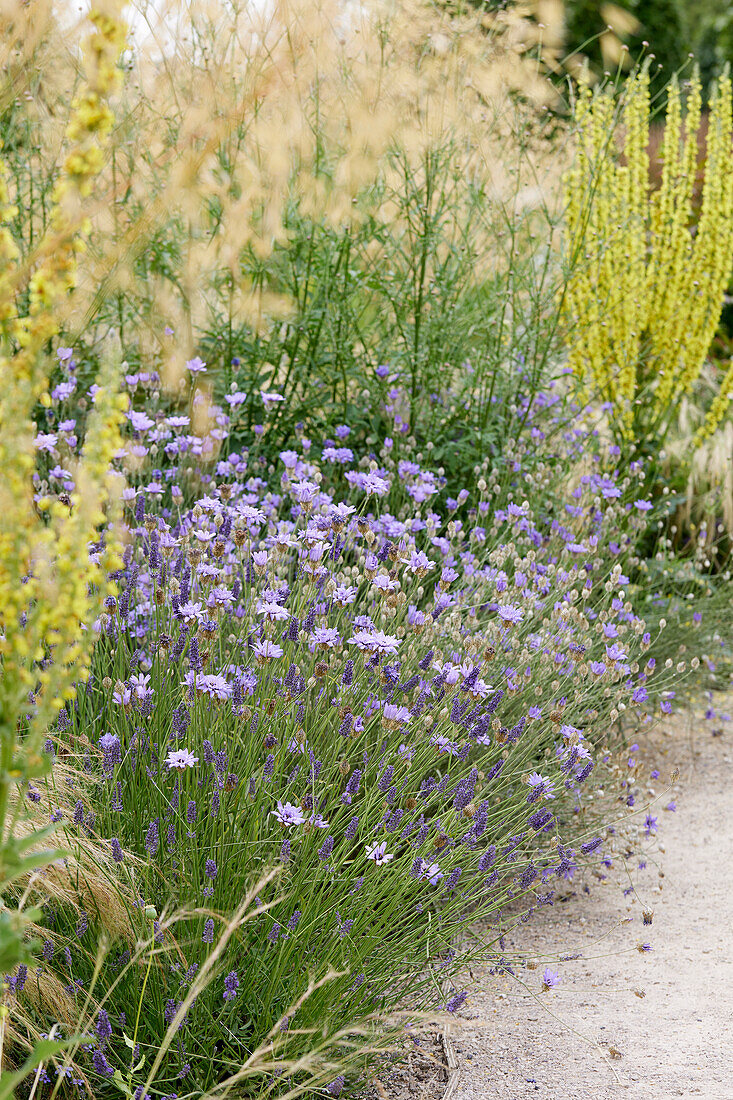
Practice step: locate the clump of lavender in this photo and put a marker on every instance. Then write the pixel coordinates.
(329, 670)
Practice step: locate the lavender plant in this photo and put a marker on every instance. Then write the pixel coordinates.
(322, 667)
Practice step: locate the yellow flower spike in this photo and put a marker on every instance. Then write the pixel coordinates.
(644, 299)
(46, 590)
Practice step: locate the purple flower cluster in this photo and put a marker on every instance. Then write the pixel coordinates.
(397, 702)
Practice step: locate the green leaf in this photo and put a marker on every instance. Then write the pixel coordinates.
(121, 1083)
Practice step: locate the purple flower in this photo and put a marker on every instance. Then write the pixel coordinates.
(346, 725)
(373, 483)
(550, 978)
(304, 492)
(122, 696)
(288, 815)
(385, 779)
(266, 651)
(378, 853)
(151, 838)
(231, 985)
(46, 442)
(345, 594)
(293, 922)
(103, 1027)
(395, 716)
(510, 615)
(116, 801)
(455, 1002)
(208, 934)
(101, 1065)
(583, 775)
(375, 641)
(234, 399)
(111, 750)
(181, 759)
(487, 859)
(429, 871)
(140, 421)
(326, 849)
(452, 881)
(210, 869)
(540, 785)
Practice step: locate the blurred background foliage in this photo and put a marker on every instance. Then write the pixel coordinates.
(607, 36)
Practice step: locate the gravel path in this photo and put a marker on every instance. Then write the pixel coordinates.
(676, 1041)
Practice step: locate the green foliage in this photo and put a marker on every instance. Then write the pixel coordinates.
(660, 25)
(439, 292)
(708, 33)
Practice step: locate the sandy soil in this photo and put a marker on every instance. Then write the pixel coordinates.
(420, 1075)
(593, 1038)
